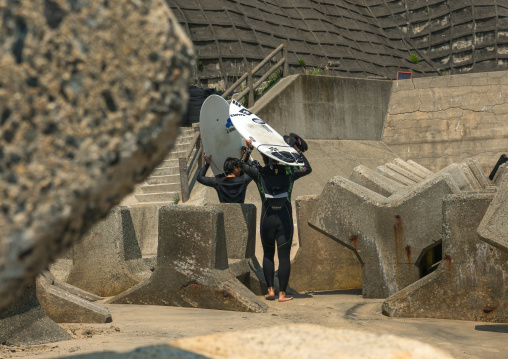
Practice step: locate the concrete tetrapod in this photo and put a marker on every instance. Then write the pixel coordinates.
(240, 229)
(469, 282)
(493, 228)
(64, 307)
(192, 265)
(24, 322)
(387, 234)
(108, 259)
(145, 218)
(321, 263)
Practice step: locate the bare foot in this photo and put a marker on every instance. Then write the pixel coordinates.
(271, 293)
(283, 298)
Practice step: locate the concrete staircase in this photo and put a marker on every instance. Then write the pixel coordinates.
(163, 185)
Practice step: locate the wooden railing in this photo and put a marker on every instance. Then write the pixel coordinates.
(190, 165)
(251, 85)
(192, 162)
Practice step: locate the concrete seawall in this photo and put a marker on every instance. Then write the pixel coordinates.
(440, 120)
(327, 108)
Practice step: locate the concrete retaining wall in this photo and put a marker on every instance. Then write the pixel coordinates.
(440, 120)
(327, 108)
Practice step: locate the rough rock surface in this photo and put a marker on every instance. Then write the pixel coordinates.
(308, 341)
(91, 93)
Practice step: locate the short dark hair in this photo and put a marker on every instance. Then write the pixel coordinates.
(229, 165)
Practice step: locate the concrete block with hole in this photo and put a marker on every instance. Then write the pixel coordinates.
(468, 283)
(108, 259)
(192, 265)
(240, 230)
(321, 263)
(390, 235)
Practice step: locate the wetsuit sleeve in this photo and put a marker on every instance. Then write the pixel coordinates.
(248, 168)
(207, 181)
(303, 170)
(247, 179)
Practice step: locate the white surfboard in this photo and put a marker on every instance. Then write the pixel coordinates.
(219, 136)
(264, 138)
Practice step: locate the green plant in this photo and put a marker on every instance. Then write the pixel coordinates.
(272, 79)
(176, 198)
(426, 9)
(414, 58)
(301, 62)
(314, 71)
(445, 73)
(200, 63)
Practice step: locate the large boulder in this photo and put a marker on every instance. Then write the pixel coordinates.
(91, 94)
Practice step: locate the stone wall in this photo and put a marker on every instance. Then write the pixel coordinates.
(441, 120)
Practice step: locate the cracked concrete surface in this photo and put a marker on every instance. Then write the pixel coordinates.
(438, 121)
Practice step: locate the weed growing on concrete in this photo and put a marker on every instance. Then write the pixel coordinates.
(315, 71)
(414, 58)
(301, 62)
(176, 198)
(272, 79)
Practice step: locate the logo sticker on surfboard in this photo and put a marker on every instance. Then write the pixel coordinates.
(268, 141)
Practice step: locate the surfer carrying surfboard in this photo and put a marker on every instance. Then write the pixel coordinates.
(275, 183)
(232, 187)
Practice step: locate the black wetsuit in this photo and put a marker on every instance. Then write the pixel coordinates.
(276, 223)
(229, 189)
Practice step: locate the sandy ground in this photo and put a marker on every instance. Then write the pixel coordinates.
(137, 326)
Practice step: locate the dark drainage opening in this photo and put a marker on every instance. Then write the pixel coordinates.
(430, 258)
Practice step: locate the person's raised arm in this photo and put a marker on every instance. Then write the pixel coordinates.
(249, 169)
(207, 181)
(304, 170)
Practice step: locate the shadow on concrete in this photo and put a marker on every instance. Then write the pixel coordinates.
(342, 291)
(496, 328)
(154, 351)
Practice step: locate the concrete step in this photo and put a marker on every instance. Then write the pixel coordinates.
(184, 140)
(161, 198)
(169, 163)
(166, 171)
(186, 131)
(180, 148)
(175, 155)
(158, 188)
(170, 179)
